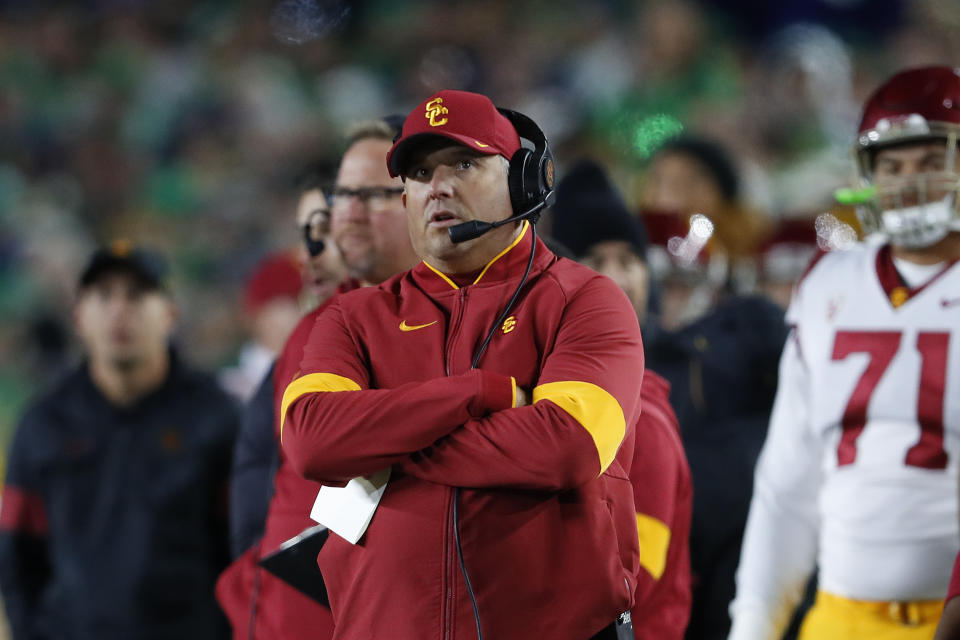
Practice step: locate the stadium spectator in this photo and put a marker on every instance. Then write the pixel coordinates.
(271, 307)
(719, 352)
(783, 257)
(693, 176)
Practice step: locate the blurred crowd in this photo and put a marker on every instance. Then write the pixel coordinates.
(185, 125)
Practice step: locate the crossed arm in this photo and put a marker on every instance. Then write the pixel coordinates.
(469, 430)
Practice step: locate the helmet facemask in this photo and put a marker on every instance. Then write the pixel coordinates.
(915, 210)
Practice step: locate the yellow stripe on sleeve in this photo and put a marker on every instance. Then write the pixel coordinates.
(596, 410)
(654, 543)
(312, 383)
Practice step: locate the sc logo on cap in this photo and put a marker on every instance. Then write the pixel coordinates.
(435, 109)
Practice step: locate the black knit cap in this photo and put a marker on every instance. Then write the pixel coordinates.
(589, 210)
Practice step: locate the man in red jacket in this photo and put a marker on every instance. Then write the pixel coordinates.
(367, 224)
(497, 437)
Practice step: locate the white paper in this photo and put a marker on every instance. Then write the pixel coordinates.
(347, 511)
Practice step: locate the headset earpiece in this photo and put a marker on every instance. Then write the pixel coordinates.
(529, 179)
(517, 182)
(531, 173)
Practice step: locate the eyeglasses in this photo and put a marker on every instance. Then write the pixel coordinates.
(370, 196)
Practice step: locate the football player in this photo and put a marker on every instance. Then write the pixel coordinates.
(858, 475)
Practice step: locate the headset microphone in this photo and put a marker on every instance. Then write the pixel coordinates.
(476, 228)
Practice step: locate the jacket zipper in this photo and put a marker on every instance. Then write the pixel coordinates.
(458, 306)
(449, 552)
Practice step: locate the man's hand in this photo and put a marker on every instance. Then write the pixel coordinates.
(523, 397)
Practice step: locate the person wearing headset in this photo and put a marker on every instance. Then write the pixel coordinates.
(479, 408)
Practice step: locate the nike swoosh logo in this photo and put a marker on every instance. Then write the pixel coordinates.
(948, 302)
(480, 144)
(406, 327)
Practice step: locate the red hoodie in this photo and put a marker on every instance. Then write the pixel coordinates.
(663, 494)
(547, 524)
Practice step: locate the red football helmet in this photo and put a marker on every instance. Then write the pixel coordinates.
(914, 106)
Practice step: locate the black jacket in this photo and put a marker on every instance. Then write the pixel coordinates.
(113, 522)
(254, 465)
(722, 371)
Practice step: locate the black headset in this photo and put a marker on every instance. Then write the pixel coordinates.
(529, 179)
(531, 172)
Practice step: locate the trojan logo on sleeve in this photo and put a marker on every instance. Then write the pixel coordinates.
(435, 109)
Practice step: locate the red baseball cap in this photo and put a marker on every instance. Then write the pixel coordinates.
(275, 277)
(467, 118)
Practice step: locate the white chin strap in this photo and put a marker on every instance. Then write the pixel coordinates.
(922, 225)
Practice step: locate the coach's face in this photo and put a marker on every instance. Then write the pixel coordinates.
(449, 184)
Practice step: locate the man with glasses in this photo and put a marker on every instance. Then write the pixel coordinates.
(369, 221)
(368, 228)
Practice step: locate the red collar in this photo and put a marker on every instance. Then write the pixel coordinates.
(893, 284)
(507, 265)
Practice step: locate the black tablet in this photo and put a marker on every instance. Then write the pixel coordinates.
(295, 562)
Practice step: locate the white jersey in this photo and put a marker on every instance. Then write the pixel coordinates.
(859, 471)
